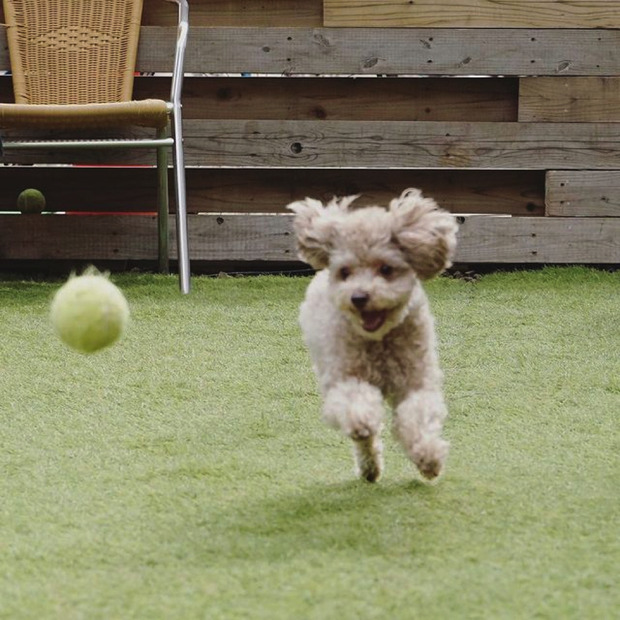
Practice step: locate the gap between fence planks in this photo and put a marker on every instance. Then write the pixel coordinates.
(438, 99)
(235, 237)
(269, 191)
(432, 99)
(240, 13)
(473, 13)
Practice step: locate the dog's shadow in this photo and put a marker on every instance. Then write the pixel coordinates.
(348, 515)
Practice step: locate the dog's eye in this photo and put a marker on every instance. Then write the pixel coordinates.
(386, 270)
(344, 273)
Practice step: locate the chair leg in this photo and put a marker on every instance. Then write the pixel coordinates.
(162, 206)
(181, 203)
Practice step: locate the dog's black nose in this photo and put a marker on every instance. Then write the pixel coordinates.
(359, 300)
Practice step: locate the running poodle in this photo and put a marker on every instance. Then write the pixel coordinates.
(367, 324)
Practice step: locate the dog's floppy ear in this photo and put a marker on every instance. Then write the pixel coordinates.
(425, 233)
(316, 227)
(342, 203)
(313, 231)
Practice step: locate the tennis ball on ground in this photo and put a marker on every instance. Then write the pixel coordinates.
(31, 201)
(89, 312)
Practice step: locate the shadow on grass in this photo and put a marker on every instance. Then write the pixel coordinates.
(350, 516)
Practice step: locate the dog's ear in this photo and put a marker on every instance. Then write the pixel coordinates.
(343, 203)
(313, 231)
(315, 226)
(425, 233)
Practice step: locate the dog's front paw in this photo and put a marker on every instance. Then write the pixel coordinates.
(429, 456)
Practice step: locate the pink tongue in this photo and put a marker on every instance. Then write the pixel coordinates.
(373, 320)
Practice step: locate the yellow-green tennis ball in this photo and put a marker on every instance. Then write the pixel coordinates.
(31, 201)
(89, 312)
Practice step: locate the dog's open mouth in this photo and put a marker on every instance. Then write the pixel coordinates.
(372, 320)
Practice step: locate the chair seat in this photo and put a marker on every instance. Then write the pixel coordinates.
(145, 113)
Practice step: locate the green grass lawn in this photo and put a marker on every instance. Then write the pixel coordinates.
(185, 473)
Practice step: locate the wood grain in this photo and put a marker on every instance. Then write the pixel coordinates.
(473, 13)
(58, 237)
(398, 51)
(539, 240)
(224, 237)
(583, 193)
(569, 100)
(383, 51)
(386, 144)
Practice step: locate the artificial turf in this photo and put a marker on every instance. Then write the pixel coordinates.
(185, 473)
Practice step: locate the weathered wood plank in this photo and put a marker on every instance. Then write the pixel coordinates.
(384, 51)
(134, 237)
(489, 239)
(394, 51)
(583, 193)
(97, 237)
(269, 191)
(473, 13)
(230, 237)
(386, 144)
(376, 144)
(235, 237)
(569, 100)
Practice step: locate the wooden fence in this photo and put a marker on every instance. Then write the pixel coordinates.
(505, 112)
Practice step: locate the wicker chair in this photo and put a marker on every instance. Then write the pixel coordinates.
(73, 67)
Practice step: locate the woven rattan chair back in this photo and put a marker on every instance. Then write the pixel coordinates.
(72, 51)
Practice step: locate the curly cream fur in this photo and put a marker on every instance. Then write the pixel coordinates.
(367, 323)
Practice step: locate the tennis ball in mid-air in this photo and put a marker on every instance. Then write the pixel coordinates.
(31, 201)
(89, 312)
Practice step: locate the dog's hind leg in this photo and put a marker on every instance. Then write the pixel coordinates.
(417, 425)
(368, 455)
(356, 408)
